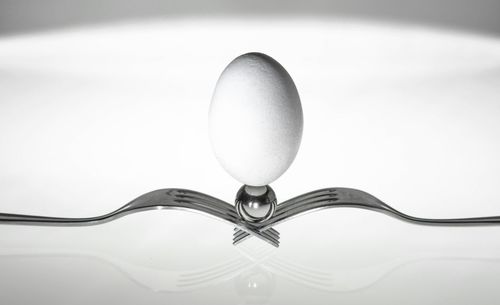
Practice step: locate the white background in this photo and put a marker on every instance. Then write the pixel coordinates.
(92, 117)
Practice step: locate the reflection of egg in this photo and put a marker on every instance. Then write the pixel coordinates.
(255, 119)
(255, 286)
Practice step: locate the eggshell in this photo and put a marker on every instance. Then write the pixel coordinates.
(255, 119)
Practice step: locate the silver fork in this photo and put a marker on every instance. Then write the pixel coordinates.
(353, 198)
(155, 200)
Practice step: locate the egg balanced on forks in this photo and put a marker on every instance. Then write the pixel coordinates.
(255, 126)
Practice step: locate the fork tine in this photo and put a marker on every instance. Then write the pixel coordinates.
(239, 236)
(219, 204)
(286, 206)
(270, 231)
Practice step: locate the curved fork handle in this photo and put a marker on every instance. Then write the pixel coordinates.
(347, 197)
(155, 200)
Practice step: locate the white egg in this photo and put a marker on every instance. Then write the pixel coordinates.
(255, 119)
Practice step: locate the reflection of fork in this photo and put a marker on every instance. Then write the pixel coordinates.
(255, 256)
(191, 200)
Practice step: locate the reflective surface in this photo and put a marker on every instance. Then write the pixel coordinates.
(94, 264)
(92, 117)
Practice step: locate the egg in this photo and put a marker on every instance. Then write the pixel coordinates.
(255, 119)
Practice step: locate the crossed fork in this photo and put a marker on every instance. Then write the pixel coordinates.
(199, 202)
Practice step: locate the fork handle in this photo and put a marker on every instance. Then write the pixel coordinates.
(474, 221)
(19, 219)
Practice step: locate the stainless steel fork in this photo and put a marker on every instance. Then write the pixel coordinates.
(353, 198)
(156, 200)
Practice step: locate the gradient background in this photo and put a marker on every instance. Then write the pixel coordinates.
(102, 101)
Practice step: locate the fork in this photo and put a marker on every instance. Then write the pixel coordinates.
(156, 200)
(353, 198)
